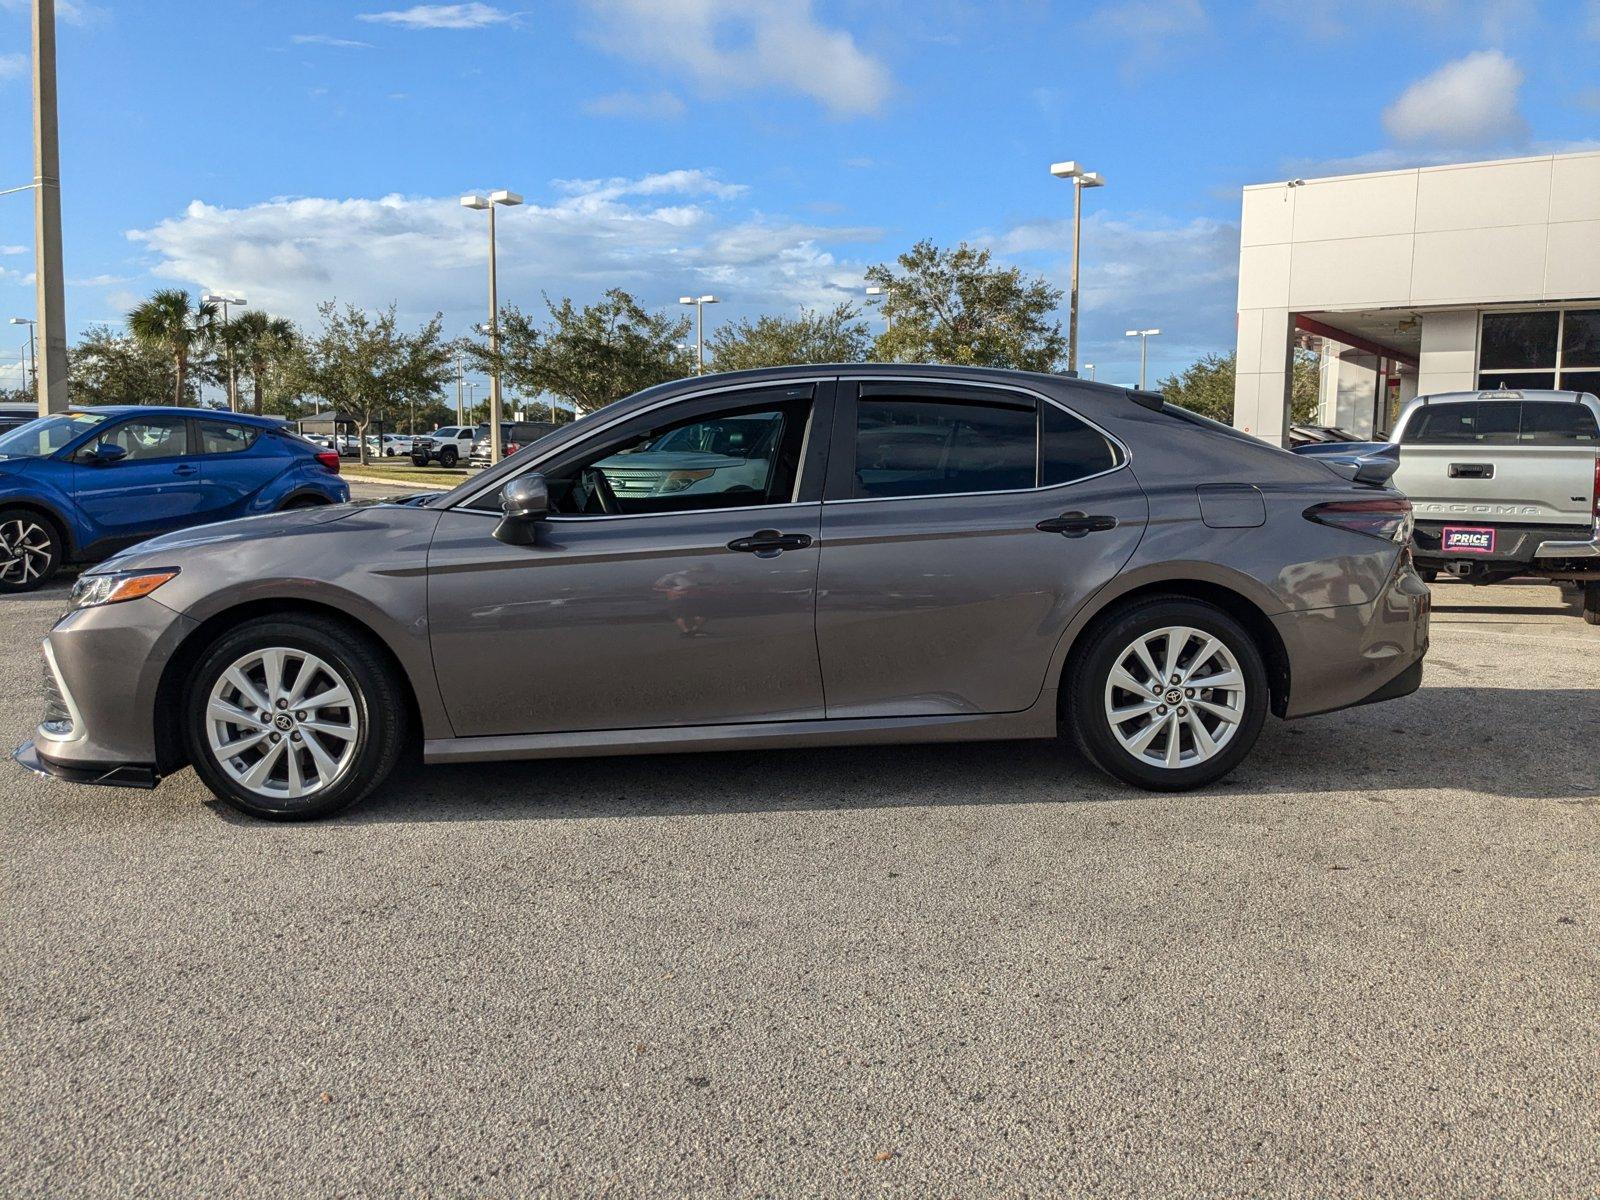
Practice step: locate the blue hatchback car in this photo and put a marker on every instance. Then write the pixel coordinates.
(81, 485)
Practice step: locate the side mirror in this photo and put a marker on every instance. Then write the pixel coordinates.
(106, 453)
(525, 501)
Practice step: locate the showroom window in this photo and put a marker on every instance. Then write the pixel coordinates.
(1543, 348)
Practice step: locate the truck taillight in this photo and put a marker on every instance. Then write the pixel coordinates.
(1389, 517)
(1597, 487)
(329, 459)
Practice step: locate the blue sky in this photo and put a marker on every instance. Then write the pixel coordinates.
(764, 150)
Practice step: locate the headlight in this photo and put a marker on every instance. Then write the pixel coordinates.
(678, 480)
(114, 587)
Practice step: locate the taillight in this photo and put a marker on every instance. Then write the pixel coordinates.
(329, 459)
(1388, 518)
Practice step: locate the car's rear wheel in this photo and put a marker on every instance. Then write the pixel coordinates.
(293, 718)
(448, 456)
(30, 550)
(1167, 694)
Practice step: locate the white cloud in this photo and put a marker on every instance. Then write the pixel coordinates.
(658, 106)
(657, 236)
(13, 66)
(13, 249)
(1152, 20)
(1467, 103)
(727, 46)
(323, 39)
(440, 16)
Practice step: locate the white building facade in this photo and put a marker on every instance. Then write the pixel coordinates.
(1477, 275)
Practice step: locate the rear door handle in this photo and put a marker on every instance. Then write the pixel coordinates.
(1076, 524)
(765, 543)
(186, 469)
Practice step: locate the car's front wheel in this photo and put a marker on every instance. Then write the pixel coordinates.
(1167, 694)
(30, 550)
(448, 457)
(293, 718)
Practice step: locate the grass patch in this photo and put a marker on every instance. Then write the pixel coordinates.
(402, 472)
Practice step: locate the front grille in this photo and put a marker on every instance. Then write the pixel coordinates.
(634, 483)
(57, 716)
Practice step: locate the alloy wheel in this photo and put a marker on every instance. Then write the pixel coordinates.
(1175, 697)
(282, 723)
(25, 551)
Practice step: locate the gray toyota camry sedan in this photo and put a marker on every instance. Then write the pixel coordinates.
(801, 556)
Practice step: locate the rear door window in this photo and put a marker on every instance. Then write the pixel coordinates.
(220, 437)
(920, 446)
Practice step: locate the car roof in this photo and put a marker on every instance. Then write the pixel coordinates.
(165, 410)
(1503, 394)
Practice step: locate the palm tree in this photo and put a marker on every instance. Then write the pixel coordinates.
(257, 341)
(172, 324)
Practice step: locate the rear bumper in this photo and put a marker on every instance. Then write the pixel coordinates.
(1354, 654)
(1588, 548)
(1514, 545)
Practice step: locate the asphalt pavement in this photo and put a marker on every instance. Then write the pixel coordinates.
(1365, 965)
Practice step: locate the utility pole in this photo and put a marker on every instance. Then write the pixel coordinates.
(50, 369)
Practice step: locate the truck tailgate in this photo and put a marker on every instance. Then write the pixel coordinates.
(1524, 485)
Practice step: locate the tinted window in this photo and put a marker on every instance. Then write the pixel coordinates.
(47, 434)
(1554, 421)
(154, 437)
(1519, 340)
(1069, 448)
(924, 447)
(216, 437)
(1501, 381)
(1503, 422)
(1580, 339)
(1581, 381)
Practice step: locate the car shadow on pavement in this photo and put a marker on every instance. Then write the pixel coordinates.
(1511, 743)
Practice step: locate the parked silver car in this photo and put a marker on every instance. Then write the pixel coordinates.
(915, 554)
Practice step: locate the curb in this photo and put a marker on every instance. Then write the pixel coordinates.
(400, 484)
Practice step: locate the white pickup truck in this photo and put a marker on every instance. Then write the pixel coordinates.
(1502, 484)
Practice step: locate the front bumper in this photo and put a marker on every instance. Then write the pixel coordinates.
(134, 775)
(103, 673)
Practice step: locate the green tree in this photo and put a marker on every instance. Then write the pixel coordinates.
(955, 306)
(836, 336)
(107, 368)
(1206, 387)
(588, 356)
(369, 369)
(268, 353)
(173, 324)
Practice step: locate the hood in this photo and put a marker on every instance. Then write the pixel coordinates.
(246, 529)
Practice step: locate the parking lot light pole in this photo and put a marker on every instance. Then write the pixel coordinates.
(50, 305)
(1080, 179)
(233, 369)
(30, 370)
(1089, 367)
(1144, 336)
(699, 303)
(509, 199)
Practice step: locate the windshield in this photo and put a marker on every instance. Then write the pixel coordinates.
(735, 437)
(45, 436)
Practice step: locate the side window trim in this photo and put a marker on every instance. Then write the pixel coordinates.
(685, 408)
(841, 472)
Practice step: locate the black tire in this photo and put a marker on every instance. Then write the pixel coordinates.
(295, 502)
(1591, 601)
(448, 456)
(419, 460)
(379, 704)
(30, 550)
(1106, 643)
(1429, 574)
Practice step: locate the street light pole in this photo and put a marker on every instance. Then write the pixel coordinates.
(699, 303)
(509, 199)
(233, 367)
(30, 369)
(1080, 179)
(1144, 336)
(1089, 367)
(50, 384)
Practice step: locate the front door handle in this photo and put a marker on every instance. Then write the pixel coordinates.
(765, 543)
(186, 469)
(1076, 524)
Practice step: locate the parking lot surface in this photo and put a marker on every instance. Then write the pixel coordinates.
(1364, 965)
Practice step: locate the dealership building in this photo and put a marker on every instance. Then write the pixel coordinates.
(1461, 277)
